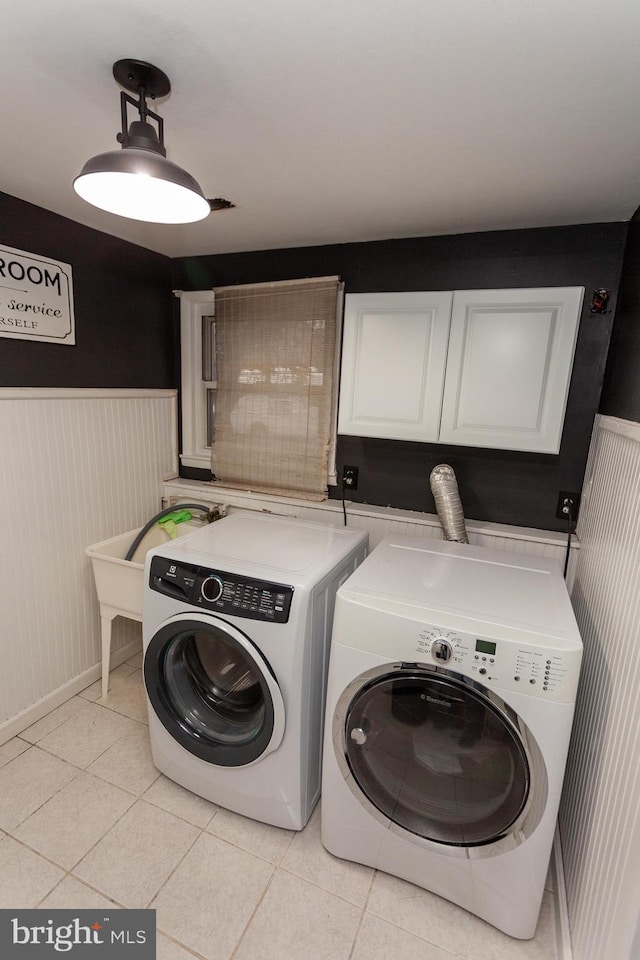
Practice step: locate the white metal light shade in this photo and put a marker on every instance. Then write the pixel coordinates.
(141, 185)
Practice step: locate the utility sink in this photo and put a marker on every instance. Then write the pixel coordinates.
(119, 582)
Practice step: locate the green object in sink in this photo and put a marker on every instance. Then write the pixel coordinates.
(169, 522)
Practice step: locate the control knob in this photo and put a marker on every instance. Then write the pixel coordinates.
(441, 650)
(211, 589)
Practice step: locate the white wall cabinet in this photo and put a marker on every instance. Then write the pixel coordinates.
(482, 368)
(394, 354)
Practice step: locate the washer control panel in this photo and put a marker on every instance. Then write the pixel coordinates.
(220, 591)
(537, 670)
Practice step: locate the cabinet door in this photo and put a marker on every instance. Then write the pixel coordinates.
(393, 360)
(509, 366)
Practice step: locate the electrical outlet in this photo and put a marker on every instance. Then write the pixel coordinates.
(567, 505)
(349, 478)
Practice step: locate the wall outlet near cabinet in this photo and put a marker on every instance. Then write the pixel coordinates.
(349, 478)
(567, 505)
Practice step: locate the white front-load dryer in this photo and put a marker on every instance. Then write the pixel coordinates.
(236, 628)
(452, 682)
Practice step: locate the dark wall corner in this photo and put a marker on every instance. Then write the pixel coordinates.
(621, 389)
(122, 302)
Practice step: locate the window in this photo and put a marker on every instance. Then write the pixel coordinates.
(194, 307)
(259, 373)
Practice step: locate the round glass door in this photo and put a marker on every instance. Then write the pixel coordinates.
(437, 758)
(213, 691)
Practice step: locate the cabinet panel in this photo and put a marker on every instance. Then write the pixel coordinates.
(509, 366)
(393, 361)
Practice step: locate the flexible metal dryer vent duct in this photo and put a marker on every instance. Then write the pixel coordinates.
(444, 488)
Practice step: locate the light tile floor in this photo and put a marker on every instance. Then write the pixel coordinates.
(87, 821)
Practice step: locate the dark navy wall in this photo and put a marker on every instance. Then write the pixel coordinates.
(125, 335)
(498, 486)
(621, 391)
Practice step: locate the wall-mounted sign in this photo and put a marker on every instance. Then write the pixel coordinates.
(36, 298)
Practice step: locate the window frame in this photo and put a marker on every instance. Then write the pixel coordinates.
(194, 305)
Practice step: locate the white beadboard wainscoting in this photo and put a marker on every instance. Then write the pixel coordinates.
(381, 521)
(79, 466)
(600, 811)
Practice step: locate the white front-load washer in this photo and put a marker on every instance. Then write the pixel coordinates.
(236, 629)
(452, 682)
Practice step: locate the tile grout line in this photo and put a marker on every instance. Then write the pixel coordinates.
(85, 883)
(171, 939)
(69, 870)
(135, 799)
(318, 886)
(107, 832)
(274, 868)
(253, 913)
(204, 831)
(356, 934)
(362, 914)
(185, 854)
(54, 794)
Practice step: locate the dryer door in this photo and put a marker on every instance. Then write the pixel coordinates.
(439, 757)
(213, 690)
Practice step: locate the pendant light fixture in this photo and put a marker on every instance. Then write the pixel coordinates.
(138, 181)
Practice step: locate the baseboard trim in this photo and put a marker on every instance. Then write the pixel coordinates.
(563, 931)
(14, 726)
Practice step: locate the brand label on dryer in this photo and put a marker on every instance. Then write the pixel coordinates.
(441, 703)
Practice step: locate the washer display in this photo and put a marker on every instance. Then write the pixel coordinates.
(451, 692)
(236, 625)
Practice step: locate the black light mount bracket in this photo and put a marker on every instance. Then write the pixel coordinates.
(135, 75)
(145, 80)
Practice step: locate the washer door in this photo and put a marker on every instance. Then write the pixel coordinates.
(440, 757)
(213, 690)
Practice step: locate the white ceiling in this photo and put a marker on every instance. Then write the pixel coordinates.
(329, 121)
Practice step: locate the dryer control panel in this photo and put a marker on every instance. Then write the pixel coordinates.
(535, 669)
(220, 591)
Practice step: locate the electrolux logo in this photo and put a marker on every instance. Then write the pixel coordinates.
(37, 934)
(441, 703)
